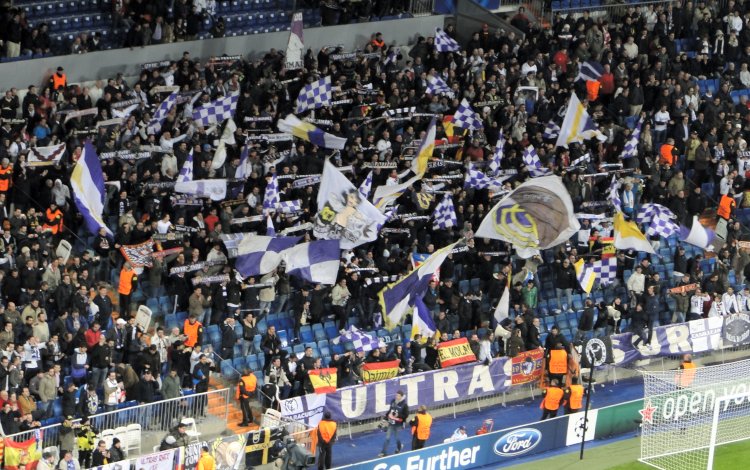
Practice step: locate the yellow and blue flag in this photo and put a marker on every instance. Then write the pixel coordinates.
(306, 131)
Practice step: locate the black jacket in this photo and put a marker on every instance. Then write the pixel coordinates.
(398, 412)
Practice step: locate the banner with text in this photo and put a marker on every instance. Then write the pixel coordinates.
(454, 352)
(527, 366)
(376, 371)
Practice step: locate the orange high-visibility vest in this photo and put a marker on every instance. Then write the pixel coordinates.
(553, 398)
(54, 221)
(59, 81)
(665, 152)
(726, 204)
(422, 429)
(5, 178)
(558, 362)
(191, 331)
(592, 89)
(250, 382)
(576, 397)
(688, 374)
(127, 278)
(327, 429)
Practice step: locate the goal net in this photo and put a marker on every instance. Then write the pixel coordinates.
(679, 418)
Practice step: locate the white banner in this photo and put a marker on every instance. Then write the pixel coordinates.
(163, 460)
(576, 427)
(706, 334)
(308, 409)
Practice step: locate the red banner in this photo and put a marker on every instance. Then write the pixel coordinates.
(456, 351)
(528, 366)
(21, 453)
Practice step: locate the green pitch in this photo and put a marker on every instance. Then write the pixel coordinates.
(623, 455)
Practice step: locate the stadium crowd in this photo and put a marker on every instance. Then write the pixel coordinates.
(62, 338)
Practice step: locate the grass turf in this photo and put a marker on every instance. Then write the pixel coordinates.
(623, 455)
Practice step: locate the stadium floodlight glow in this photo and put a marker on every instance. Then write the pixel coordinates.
(690, 414)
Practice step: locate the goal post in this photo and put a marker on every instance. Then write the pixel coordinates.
(729, 423)
(687, 414)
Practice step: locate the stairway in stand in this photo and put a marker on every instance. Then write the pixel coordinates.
(234, 416)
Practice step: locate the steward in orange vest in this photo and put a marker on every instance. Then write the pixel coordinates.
(6, 176)
(128, 281)
(557, 362)
(552, 397)
(574, 401)
(53, 219)
(193, 329)
(420, 428)
(245, 390)
(326, 436)
(592, 90)
(667, 153)
(58, 80)
(726, 205)
(688, 372)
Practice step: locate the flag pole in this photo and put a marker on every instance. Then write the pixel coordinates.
(586, 410)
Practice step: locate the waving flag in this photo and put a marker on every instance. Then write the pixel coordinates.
(659, 219)
(139, 255)
(577, 125)
(87, 181)
(361, 340)
(295, 48)
(271, 196)
(257, 255)
(306, 131)
(551, 130)
(342, 212)
(386, 195)
(535, 216)
(614, 194)
(366, 186)
(244, 170)
(628, 236)
(316, 261)
(502, 311)
(445, 43)
(44, 156)
(606, 270)
(216, 189)
(227, 138)
(436, 86)
(590, 70)
(532, 162)
(25, 453)
(270, 229)
(497, 156)
(396, 299)
(631, 146)
(315, 95)
(419, 164)
(216, 111)
(467, 118)
(478, 180)
(166, 106)
(697, 234)
(422, 322)
(444, 216)
(585, 158)
(585, 274)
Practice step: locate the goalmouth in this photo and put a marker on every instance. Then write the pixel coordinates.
(688, 413)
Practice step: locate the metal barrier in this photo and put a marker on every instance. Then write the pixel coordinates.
(160, 416)
(296, 429)
(421, 7)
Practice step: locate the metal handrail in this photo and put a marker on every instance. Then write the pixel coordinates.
(162, 415)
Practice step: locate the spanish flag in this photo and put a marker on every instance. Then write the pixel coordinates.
(324, 380)
(419, 164)
(452, 133)
(377, 371)
(17, 453)
(456, 351)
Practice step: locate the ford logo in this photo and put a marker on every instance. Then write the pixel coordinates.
(517, 442)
